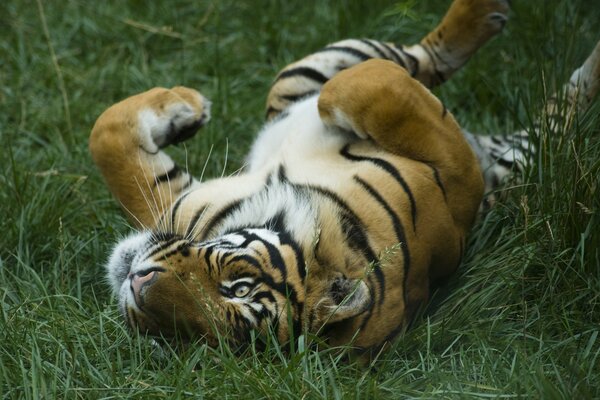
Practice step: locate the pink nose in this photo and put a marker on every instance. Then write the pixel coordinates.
(137, 284)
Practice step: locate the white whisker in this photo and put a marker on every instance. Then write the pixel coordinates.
(153, 211)
(190, 229)
(132, 215)
(146, 200)
(187, 171)
(162, 220)
(206, 163)
(226, 156)
(158, 208)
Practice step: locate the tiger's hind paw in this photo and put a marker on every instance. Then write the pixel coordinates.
(477, 20)
(491, 16)
(467, 26)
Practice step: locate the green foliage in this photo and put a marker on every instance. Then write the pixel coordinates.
(520, 318)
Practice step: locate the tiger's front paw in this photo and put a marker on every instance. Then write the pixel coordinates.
(170, 116)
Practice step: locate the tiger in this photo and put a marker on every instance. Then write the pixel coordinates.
(358, 193)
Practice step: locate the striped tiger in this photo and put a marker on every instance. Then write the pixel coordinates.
(358, 193)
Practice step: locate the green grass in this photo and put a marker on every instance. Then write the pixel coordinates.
(520, 318)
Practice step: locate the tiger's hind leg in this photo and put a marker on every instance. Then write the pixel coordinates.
(503, 156)
(404, 118)
(467, 26)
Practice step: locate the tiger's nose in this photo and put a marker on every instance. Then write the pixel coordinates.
(138, 283)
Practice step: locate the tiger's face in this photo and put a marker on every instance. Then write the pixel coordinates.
(252, 280)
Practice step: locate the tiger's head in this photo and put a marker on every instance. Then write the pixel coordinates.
(253, 280)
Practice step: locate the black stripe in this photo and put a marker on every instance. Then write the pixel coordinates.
(432, 55)
(194, 221)
(269, 299)
(258, 315)
(246, 258)
(176, 250)
(347, 50)
(264, 295)
(286, 239)
(222, 254)
(355, 233)
(162, 246)
(398, 228)
(283, 288)
(353, 230)
(505, 163)
(187, 184)
(277, 222)
(275, 257)
(281, 175)
(271, 110)
(222, 214)
(438, 180)
(390, 169)
(175, 207)
(305, 72)
(396, 56)
(299, 96)
(208, 251)
(496, 140)
(277, 262)
(414, 61)
(374, 47)
(169, 176)
(162, 236)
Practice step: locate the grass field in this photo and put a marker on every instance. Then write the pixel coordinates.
(520, 319)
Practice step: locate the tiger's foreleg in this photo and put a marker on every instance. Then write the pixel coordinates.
(503, 156)
(467, 26)
(126, 144)
(379, 100)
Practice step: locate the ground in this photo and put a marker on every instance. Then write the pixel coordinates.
(520, 318)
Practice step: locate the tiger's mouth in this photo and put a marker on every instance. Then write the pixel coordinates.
(140, 281)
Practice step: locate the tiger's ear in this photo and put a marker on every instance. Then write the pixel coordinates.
(345, 298)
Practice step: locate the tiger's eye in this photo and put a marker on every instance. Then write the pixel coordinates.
(242, 291)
